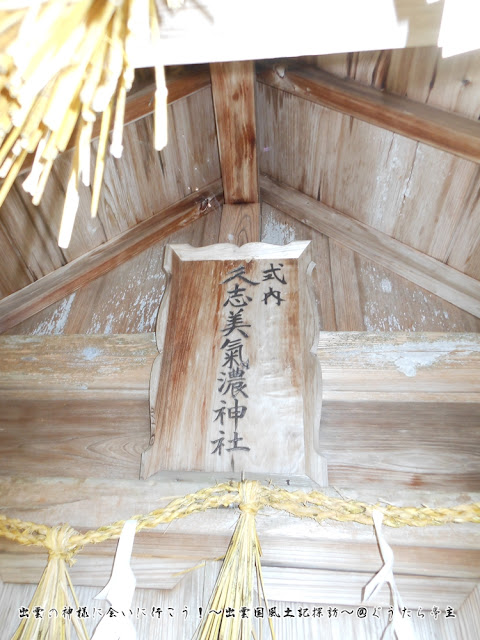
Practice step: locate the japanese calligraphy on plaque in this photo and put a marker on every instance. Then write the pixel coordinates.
(236, 386)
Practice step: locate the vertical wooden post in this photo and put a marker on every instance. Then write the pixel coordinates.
(233, 88)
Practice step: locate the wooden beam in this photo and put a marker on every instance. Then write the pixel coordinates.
(240, 223)
(67, 279)
(441, 129)
(337, 550)
(250, 30)
(415, 397)
(425, 271)
(233, 88)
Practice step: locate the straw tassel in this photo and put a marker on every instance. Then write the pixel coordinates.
(234, 587)
(54, 595)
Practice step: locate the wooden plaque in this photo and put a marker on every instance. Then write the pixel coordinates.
(236, 386)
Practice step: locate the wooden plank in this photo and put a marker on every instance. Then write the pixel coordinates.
(287, 542)
(255, 376)
(434, 276)
(417, 398)
(233, 88)
(67, 279)
(181, 82)
(240, 223)
(345, 588)
(470, 612)
(446, 131)
(180, 609)
(209, 32)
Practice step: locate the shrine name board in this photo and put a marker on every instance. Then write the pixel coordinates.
(228, 387)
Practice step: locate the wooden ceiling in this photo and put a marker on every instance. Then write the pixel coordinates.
(377, 150)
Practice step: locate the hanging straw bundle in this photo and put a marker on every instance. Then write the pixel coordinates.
(62, 62)
(234, 586)
(54, 598)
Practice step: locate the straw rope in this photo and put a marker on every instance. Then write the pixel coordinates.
(315, 505)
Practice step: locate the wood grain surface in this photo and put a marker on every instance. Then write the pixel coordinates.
(446, 282)
(255, 380)
(67, 279)
(424, 123)
(233, 90)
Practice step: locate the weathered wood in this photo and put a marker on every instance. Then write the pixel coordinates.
(469, 614)
(179, 615)
(255, 377)
(233, 89)
(448, 555)
(443, 130)
(401, 409)
(240, 223)
(405, 392)
(181, 82)
(65, 280)
(434, 276)
(210, 33)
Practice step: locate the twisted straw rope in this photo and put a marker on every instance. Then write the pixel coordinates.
(66, 542)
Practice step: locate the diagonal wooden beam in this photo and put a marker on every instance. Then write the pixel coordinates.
(441, 129)
(53, 287)
(233, 89)
(425, 271)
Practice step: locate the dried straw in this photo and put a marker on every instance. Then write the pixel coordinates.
(62, 63)
(54, 598)
(234, 586)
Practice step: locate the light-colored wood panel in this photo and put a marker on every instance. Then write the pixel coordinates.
(431, 224)
(419, 73)
(175, 614)
(453, 286)
(181, 82)
(124, 300)
(240, 223)
(348, 311)
(465, 246)
(289, 131)
(446, 131)
(418, 194)
(191, 549)
(345, 588)
(15, 272)
(72, 276)
(432, 445)
(470, 613)
(401, 362)
(32, 237)
(92, 502)
(388, 301)
(233, 90)
(135, 187)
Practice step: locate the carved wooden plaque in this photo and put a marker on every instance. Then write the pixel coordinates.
(236, 386)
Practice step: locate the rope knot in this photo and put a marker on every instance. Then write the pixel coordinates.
(248, 497)
(59, 544)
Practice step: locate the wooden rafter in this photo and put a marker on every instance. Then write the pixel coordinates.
(441, 129)
(233, 88)
(62, 282)
(425, 271)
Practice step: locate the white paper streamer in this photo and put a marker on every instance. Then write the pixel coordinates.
(399, 626)
(119, 591)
